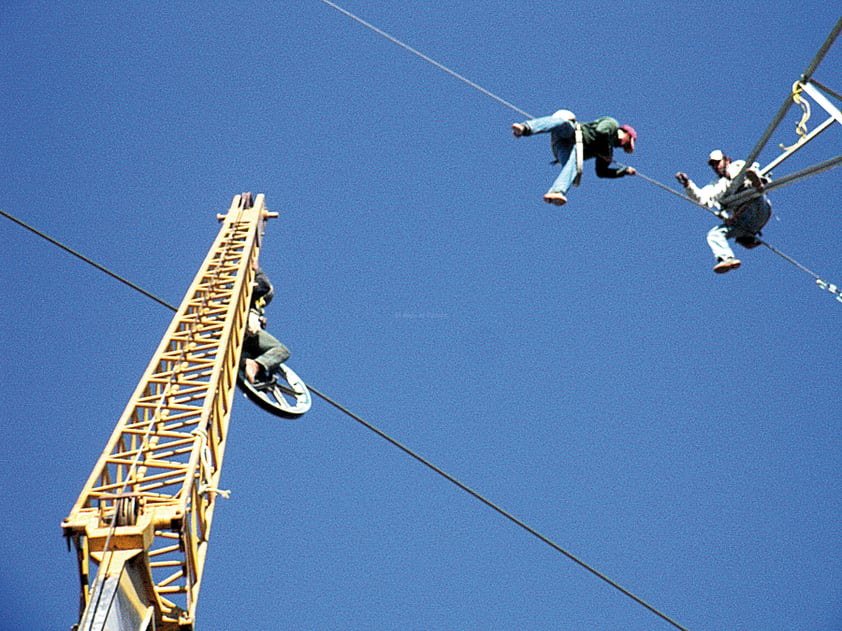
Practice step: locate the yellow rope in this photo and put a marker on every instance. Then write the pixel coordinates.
(801, 127)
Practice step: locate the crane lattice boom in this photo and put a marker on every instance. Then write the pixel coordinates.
(144, 516)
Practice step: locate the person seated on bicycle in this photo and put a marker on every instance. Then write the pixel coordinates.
(262, 353)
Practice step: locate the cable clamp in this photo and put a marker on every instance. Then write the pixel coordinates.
(823, 284)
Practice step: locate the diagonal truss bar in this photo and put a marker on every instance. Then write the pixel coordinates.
(814, 64)
(751, 193)
(164, 458)
(798, 145)
(822, 100)
(808, 74)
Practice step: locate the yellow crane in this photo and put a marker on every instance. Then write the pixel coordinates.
(144, 516)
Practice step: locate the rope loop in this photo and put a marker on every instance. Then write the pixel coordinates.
(801, 127)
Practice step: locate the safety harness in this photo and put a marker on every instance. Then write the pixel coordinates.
(580, 151)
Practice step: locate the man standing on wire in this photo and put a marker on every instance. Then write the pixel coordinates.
(573, 142)
(742, 221)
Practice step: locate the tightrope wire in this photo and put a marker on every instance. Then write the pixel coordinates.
(501, 511)
(823, 284)
(86, 259)
(394, 40)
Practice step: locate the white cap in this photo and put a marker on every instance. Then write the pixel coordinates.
(565, 114)
(716, 155)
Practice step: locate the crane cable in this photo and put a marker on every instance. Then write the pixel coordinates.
(386, 437)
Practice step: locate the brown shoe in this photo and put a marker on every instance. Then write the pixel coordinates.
(726, 266)
(555, 198)
(518, 129)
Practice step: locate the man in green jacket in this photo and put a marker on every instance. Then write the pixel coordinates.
(573, 142)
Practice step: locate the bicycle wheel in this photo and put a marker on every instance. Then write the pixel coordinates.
(284, 395)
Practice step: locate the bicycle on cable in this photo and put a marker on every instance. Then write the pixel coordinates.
(282, 393)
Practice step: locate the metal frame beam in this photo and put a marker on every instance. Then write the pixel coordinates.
(805, 78)
(827, 165)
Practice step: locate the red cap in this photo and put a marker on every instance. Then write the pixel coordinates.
(630, 131)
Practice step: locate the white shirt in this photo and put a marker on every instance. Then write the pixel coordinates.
(713, 193)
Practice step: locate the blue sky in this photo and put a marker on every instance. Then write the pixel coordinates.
(581, 367)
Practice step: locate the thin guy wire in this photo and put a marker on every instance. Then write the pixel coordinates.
(86, 259)
(405, 450)
(394, 40)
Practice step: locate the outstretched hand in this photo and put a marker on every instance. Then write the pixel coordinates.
(682, 178)
(631, 171)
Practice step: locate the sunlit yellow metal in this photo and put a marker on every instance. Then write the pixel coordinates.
(153, 491)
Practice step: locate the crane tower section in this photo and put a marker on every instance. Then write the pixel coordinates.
(144, 516)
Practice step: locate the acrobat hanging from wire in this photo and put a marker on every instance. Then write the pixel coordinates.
(742, 221)
(573, 143)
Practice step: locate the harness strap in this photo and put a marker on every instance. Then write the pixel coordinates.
(580, 150)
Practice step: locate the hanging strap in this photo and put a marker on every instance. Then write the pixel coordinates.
(580, 150)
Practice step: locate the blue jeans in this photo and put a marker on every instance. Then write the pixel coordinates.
(563, 139)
